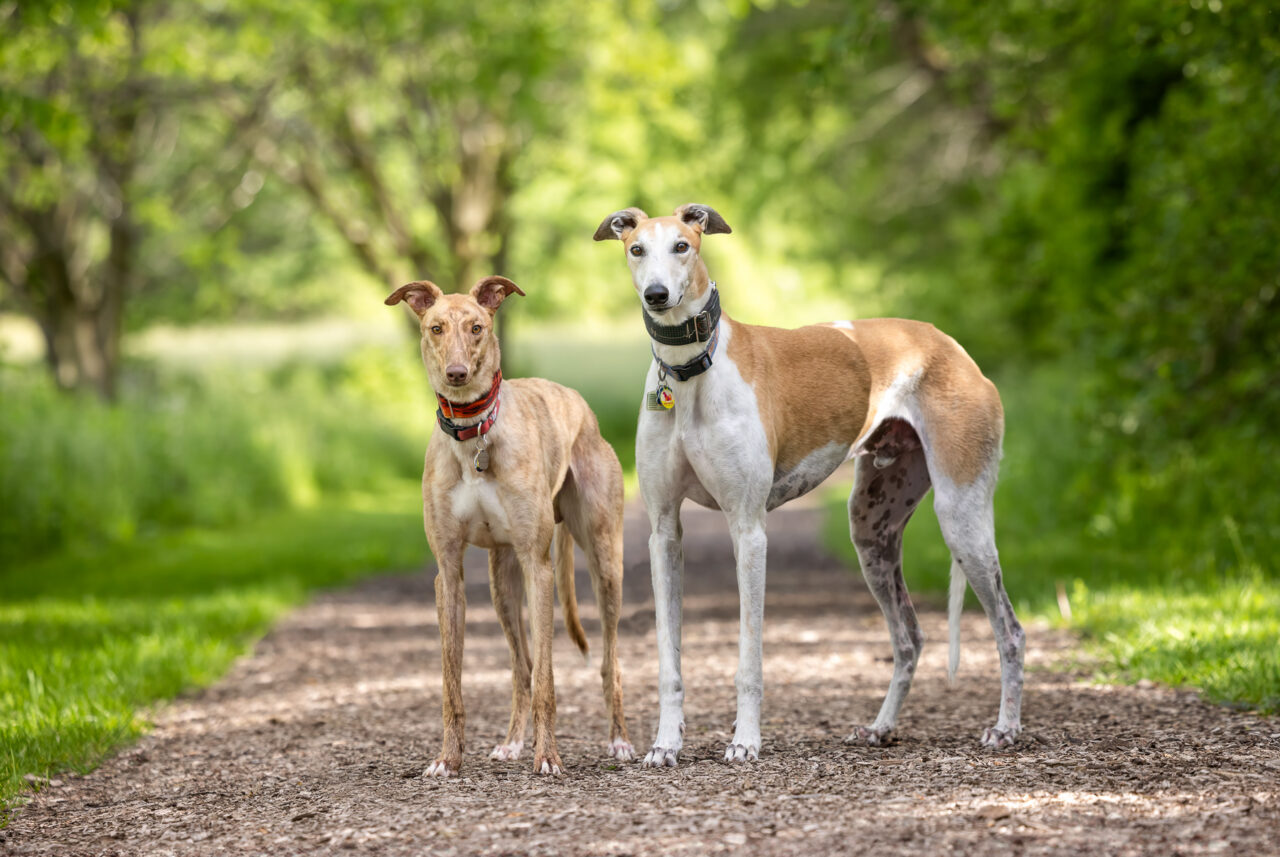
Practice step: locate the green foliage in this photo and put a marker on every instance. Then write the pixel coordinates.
(202, 448)
(90, 637)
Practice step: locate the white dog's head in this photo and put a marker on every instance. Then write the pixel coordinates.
(663, 252)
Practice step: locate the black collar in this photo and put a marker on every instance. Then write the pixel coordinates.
(696, 329)
(695, 367)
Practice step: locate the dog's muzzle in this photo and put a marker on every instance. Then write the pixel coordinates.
(656, 296)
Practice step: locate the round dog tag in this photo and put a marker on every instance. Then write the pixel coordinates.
(481, 460)
(665, 397)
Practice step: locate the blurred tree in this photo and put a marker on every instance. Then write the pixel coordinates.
(402, 122)
(1078, 177)
(89, 110)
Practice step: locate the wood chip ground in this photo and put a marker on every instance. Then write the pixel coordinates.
(316, 743)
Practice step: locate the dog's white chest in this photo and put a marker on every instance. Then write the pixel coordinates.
(476, 504)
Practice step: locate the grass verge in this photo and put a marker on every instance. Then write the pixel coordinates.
(90, 638)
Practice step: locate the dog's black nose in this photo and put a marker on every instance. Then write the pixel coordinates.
(457, 374)
(656, 295)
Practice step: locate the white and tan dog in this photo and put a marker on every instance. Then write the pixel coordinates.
(513, 463)
(762, 416)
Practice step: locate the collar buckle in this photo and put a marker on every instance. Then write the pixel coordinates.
(701, 326)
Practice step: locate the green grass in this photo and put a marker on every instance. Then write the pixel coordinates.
(1168, 576)
(90, 637)
(1220, 640)
(200, 448)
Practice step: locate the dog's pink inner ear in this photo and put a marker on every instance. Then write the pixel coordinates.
(419, 300)
(492, 291)
(420, 296)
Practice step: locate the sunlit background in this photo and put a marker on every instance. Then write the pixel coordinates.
(208, 411)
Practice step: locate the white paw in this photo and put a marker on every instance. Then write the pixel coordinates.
(622, 750)
(736, 752)
(661, 757)
(439, 768)
(872, 736)
(549, 768)
(507, 752)
(1000, 739)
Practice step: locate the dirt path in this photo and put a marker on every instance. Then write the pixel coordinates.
(316, 743)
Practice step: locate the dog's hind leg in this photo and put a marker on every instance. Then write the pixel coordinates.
(507, 588)
(591, 501)
(967, 519)
(880, 506)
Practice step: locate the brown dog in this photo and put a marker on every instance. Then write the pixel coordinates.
(513, 463)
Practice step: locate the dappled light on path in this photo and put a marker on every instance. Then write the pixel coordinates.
(318, 741)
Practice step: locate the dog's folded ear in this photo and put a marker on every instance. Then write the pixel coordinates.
(492, 291)
(419, 295)
(703, 218)
(616, 226)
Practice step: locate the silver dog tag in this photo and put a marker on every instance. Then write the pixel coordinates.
(481, 461)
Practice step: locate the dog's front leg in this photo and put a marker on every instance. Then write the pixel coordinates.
(507, 588)
(451, 610)
(666, 558)
(539, 581)
(749, 549)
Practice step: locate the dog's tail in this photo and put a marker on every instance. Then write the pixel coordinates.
(564, 583)
(954, 606)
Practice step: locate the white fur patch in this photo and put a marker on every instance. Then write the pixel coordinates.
(898, 401)
(475, 502)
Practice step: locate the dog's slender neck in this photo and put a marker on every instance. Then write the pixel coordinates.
(688, 308)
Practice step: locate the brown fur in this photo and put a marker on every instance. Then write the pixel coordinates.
(818, 384)
(548, 464)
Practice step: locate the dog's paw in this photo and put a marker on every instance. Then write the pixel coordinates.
(870, 736)
(621, 749)
(661, 757)
(507, 752)
(548, 764)
(736, 752)
(442, 768)
(1000, 739)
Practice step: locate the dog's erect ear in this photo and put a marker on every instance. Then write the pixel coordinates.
(420, 296)
(616, 226)
(703, 218)
(492, 291)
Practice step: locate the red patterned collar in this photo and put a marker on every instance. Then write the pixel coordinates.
(455, 411)
(449, 411)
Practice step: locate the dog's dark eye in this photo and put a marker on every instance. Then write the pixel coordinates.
(681, 246)
(435, 328)
(475, 328)
(637, 250)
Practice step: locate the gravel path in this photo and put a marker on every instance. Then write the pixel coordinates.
(316, 743)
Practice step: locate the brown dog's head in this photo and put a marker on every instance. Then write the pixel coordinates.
(459, 347)
(664, 253)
